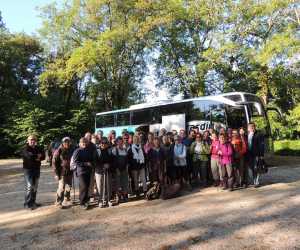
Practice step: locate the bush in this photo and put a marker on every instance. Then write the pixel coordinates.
(287, 147)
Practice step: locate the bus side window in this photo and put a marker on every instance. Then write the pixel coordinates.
(123, 119)
(103, 121)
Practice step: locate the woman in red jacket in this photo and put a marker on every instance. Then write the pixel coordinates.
(239, 151)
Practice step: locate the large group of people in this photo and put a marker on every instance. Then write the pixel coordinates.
(111, 169)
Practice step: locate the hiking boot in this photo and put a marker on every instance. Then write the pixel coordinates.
(37, 204)
(33, 206)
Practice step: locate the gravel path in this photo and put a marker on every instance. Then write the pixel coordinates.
(263, 218)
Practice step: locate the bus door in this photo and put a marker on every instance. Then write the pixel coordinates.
(236, 116)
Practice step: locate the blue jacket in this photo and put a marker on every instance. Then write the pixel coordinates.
(81, 157)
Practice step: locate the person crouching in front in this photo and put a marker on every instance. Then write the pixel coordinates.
(61, 165)
(83, 159)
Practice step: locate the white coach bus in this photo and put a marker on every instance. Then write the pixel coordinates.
(230, 110)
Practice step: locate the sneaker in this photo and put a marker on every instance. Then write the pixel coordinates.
(58, 203)
(102, 205)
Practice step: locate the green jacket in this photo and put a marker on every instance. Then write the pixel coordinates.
(204, 153)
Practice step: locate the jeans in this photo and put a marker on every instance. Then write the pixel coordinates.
(255, 174)
(31, 177)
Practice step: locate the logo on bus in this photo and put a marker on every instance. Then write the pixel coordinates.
(200, 125)
(205, 125)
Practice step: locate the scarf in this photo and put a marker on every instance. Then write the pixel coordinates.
(138, 153)
(198, 148)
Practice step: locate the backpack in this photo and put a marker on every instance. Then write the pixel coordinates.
(154, 192)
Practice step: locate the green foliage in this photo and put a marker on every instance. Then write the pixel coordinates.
(81, 120)
(98, 43)
(92, 56)
(287, 147)
(31, 119)
(294, 119)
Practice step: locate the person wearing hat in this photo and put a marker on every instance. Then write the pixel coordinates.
(32, 156)
(61, 165)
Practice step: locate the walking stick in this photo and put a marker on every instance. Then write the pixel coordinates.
(73, 183)
(103, 200)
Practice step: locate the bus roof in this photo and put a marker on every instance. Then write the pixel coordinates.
(218, 98)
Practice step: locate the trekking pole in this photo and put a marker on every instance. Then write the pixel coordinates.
(73, 183)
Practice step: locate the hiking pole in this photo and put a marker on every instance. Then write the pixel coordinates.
(73, 183)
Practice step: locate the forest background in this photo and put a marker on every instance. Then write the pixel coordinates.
(94, 55)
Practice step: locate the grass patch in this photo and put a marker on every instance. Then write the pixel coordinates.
(287, 147)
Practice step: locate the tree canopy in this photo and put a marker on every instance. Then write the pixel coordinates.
(93, 55)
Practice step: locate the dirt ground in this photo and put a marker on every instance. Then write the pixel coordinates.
(264, 218)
